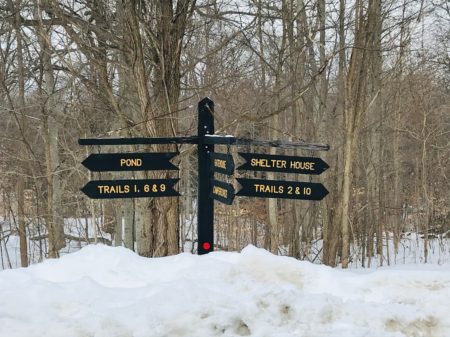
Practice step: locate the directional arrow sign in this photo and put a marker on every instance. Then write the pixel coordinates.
(130, 161)
(222, 163)
(222, 192)
(281, 189)
(286, 164)
(114, 189)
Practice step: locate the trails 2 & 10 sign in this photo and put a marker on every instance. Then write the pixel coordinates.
(209, 163)
(281, 189)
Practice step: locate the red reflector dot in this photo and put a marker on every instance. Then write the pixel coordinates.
(206, 245)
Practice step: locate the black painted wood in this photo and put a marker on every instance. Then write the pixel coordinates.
(130, 188)
(281, 189)
(222, 158)
(104, 162)
(138, 140)
(223, 192)
(205, 214)
(229, 140)
(283, 164)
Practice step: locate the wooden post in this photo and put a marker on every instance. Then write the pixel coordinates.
(205, 204)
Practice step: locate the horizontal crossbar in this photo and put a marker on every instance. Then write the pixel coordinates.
(138, 141)
(229, 140)
(209, 139)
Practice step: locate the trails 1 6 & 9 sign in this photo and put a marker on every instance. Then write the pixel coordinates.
(133, 188)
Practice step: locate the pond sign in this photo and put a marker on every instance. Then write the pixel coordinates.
(102, 162)
(209, 163)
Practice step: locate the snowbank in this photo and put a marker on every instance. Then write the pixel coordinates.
(102, 291)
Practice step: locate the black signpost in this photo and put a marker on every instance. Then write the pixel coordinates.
(209, 162)
(205, 204)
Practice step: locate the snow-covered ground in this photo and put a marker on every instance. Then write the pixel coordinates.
(102, 291)
(410, 248)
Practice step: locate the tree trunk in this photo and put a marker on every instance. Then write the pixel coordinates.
(55, 228)
(346, 190)
(20, 187)
(331, 233)
(157, 224)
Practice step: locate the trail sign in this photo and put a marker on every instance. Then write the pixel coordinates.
(101, 162)
(209, 162)
(281, 189)
(285, 164)
(131, 188)
(222, 192)
(222, 163)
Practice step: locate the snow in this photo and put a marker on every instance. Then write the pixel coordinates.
(102, 291)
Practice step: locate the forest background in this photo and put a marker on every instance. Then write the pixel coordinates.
(370, 78)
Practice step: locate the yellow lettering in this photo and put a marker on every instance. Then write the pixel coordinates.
(259, 162)
(220, 191)
(278, 163)
(105, 189)
(269, 188)
(131, 162)
(300, 165)
(220, 163)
